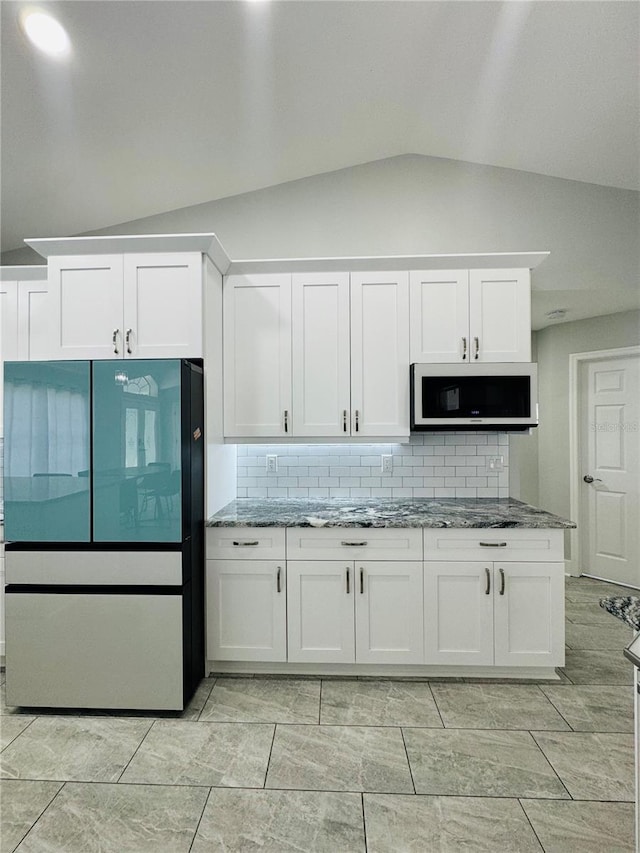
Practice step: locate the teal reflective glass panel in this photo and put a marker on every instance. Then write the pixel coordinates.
(137, 470)
(46, 451)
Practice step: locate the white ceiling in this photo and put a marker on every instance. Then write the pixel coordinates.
(170, 104)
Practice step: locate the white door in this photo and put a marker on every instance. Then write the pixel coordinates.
(246, 610)
(34, 320)
(610, 450)
(380, 354)
(500, 315)
(529, 614)
(87, 292)
(439, 312)
(163, 305)
(321, 362)
(458, 613)
(320, 611)
(389, 612)
(257, 355)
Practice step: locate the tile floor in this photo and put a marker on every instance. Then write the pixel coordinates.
(342, 765)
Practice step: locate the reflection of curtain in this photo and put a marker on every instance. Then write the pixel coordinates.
(45, 430)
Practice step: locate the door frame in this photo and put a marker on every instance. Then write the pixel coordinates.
(576, 361)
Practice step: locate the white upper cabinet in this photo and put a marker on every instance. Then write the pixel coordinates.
(321, 380)
(470, 315)
(257, 355)
(9, 320)
(380, 354)
(126, 305)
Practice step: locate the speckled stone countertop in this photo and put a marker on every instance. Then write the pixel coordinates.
(624, 607)
(383, 512)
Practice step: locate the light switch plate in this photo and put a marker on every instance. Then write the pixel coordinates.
(386, 465)
(495, 464)
(272, 463)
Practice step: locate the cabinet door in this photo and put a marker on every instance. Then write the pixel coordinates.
(257, 355)
(34, 320)
(321, 374)
(163, 305)
(458, 613)
(246, 610)
(320, 611)
(439, 312)
(9, 320)
(389, 612)
(500, 315)
(529, 614)
(87, 292)
(380, 354)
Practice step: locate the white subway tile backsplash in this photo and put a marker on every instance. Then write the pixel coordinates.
(431, 465)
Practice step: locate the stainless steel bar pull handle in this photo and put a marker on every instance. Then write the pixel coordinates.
(464, 349)
(286, 420)
(357, 421)
(501, 581)
(114, 340)
(344, 420)
(476, 343)
(361, 581)
(246, 542)
(348, 589)
(128, 340)
(493, 544)
(488, 587)
(278, 576)
(358, 544)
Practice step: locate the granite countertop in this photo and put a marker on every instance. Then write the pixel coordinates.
(384, 512)
(624, 607)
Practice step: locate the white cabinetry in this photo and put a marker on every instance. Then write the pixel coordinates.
(470, 315)
(485, 612)
(316, 355)
(130, 305)
(246, 598)
(367, 610)
(2, 576)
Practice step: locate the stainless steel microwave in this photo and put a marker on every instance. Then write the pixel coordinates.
(474, 396)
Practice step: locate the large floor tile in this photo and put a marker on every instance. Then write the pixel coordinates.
(22, 804)
(10, 728)
(81, 749)
(593, 708)
(614, 638)
(496, 706)
(237, 820)
(589, 613)
(339, 758)
(118, 819)
(598, 667)
(480, 763)
(264, 700)
(198, 700)
(592, 766)
(569, 827)
(187, 753)
(378, 703)
(397, 824)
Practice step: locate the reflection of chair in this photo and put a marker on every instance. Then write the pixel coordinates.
(152, 484)
(170, 488)
(129, 501)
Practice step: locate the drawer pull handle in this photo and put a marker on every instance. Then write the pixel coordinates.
(488, 587)
(493, 544)
(357, 421)
(114, 340)
(344, 420)
(354, 544)
(278, 576)
(348, 589)
(247, 542)
(476, 342)
(464, 349)
(501, 581)
(361, 581)
(128, 340)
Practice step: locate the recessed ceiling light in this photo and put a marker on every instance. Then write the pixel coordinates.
(46, 33)
(557, 314)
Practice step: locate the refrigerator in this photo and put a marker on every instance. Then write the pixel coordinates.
(104, 530)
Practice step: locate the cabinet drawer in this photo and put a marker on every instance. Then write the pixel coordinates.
(353, 543)
(494, 544)
(245, 543)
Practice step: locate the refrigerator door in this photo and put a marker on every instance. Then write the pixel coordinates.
(137, 457)
(46, 451)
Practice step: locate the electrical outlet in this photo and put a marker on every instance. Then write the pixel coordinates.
(387, 463)
(272, 463)
(495, 463)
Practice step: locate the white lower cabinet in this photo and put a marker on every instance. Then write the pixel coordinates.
(489, 613)
(355, 612)
(246, 610)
